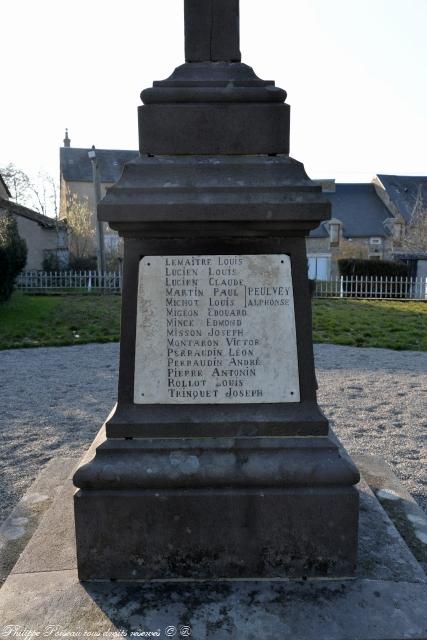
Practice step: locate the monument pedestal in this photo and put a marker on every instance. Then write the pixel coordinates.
(218, 462)
(213, 485)
(216, 508)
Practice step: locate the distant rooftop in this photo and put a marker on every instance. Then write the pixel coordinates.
(360, 210)
(5, 187)
(403, 192)
(25, 212)
(75, 165)
(357, 205)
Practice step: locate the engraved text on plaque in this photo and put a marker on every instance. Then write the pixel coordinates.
(215, 329)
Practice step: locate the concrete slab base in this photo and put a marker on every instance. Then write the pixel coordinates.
(408, 518)
(19, 526)
(386, 601)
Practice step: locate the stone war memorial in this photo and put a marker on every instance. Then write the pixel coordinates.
(215, 502)
(216, 462)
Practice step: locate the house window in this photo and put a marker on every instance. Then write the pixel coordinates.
(334, 233)
(375, 241)
(111, 241)
(319, 267)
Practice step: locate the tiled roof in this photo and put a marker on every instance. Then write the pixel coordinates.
(320, 231)
(76, 166)
(403, 192)
(360, 210)
(25, 212)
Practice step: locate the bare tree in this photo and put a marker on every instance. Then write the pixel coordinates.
(414, 234)
(81, 233)
(39, 193)
(17, 182)
(44, 194)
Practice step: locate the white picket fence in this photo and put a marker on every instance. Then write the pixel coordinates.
(372, 287)
(341, 287)
(51, 281)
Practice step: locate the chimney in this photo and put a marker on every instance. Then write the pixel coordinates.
(67, 141)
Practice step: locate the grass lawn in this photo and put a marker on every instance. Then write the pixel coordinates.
(45, 321)
(387, 324)
(36, 321)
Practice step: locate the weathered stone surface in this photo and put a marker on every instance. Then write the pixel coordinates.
(249, 507)
(213, 104)
(408, 517)
(20, 525)
(212, 30)
(215, 179)
(189, 463)
(59, 554)
(237, 534)
(213, 129)
(215, 330)
(387, 599)
(227, 420)
(372, 610)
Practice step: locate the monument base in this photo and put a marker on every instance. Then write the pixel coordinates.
(387, 598)
(140, 535)
(216, 508)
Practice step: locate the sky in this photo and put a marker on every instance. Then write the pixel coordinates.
(354, 71)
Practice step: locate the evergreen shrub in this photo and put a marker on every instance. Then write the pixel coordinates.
(13, 255)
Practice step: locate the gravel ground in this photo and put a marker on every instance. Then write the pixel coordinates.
(55, 399)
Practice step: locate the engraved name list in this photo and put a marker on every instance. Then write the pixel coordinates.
(215, 329)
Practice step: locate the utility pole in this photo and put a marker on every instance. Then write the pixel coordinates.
(100, 250)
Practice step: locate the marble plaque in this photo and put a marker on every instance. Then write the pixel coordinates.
(215, 330)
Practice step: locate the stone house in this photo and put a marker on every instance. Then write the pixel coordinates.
(373, 217)
(76, 178)
(45, 237)
(369, 215)
(360, 217)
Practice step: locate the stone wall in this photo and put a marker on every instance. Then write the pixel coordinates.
(318, 245)
(39, 239)
(322, 246)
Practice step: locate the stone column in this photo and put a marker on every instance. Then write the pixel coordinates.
(217, 461)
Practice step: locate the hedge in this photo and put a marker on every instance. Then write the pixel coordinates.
(376, 268)
(13, 255)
